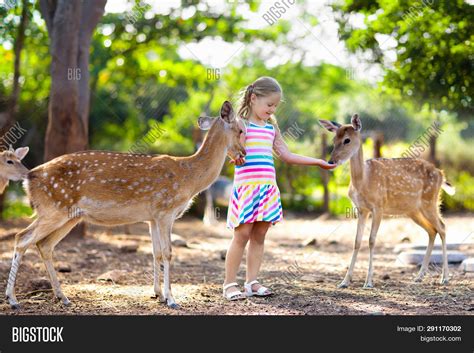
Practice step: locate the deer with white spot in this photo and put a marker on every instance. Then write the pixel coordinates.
(382, 186)
(109, 188)
(11, 167)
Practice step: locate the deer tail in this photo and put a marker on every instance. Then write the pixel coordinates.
(448, 188)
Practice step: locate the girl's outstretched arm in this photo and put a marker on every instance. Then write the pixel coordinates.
(283, 153)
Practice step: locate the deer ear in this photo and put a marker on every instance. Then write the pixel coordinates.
(330, 125)
(356, 123)
(205, 122)
(21, 152)
(227, 112)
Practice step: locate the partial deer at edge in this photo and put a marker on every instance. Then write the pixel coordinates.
(11, 167)
(110, 188)
(383, 186)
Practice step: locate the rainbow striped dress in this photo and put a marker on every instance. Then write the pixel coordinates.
(255, 195)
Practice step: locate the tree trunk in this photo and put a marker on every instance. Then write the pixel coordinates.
(432, 152)
(63, 134)
(70, 26)
(378, 142)
(91, 14)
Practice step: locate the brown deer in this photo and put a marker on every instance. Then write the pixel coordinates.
(11, 167)
(382, 186)
(109, 188)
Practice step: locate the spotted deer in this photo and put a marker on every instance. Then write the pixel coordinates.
(11, 167)
(383, 186)
(110, 188)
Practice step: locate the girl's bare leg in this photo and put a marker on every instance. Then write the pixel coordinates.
(255, 252)
(235, 253)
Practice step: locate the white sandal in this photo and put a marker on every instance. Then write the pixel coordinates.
(232, 296)
(261, 292)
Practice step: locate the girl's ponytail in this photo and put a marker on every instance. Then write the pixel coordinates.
(244, 108)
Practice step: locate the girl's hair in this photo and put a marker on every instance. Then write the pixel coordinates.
(261, 87)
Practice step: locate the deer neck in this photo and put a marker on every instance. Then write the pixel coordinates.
(357, 168)
(206, 164)
(3, 183)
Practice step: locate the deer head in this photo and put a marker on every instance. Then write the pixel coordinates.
(11, 167)
(232, 127)
(10, 163)
(347, 140)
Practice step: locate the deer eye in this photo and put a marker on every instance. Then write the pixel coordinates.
(241, 131)
(9, 162)
(346, 141)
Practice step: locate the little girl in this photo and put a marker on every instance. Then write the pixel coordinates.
(255, 201)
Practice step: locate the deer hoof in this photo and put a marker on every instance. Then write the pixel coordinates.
(418, 279)
(368, 286)
(15, 306)
(174, 306)
(66, 302)
(343, 285)
(160, 297)
(63, 300)
(13, 303)
(444, 281)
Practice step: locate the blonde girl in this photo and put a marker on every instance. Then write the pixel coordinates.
(255, 202)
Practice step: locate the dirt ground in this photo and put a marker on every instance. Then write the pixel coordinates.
(304, 278)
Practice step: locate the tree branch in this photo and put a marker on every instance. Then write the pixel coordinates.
(92, 12)
(47, 9)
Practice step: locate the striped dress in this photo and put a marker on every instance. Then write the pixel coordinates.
(255, 195)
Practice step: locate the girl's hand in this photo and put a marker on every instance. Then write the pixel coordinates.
(325, 165)
(238, 161)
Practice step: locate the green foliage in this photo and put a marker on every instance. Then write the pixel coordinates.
(464, 198)
(432, 41)
(16, 209)
(15, 205)
(139, 81)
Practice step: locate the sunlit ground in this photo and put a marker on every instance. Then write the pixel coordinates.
(304, 278)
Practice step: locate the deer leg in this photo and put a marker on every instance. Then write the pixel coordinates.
(426, 225)
(441, 229)
(426, 259)
(376, 219)
(360, 231)
(209, 218)
(165, 226)
(23, 240)
(433, 216)
(20, 247)
(46, 247)
(157, 260)
(445, 274)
